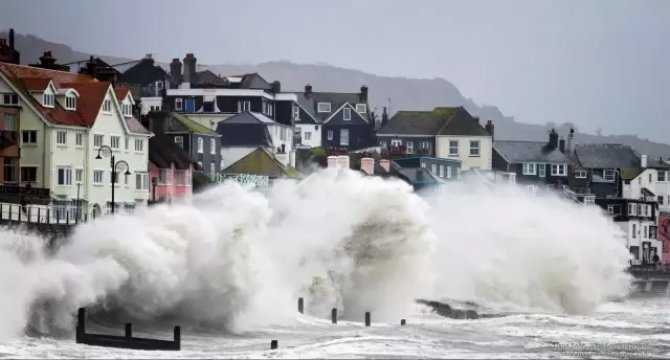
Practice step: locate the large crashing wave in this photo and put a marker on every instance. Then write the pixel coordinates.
(234, 258)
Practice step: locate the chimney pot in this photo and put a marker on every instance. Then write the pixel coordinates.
(11, 38)
(368, 165)
(308, 90)
(385, 164)
(364, 93)
(561, 145)
(332, 161)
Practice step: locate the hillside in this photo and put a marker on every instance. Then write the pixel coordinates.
(395, 92)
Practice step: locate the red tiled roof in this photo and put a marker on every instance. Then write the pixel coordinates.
(121, 92)
(91, 92)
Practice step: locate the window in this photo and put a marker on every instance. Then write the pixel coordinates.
(139, 145)
(179, 140)
(528, 169)
(10, 169)
(330, 135)
(614, 209)
(410, 147)
(634, 231)
(661, 175)
(631, 210)
(115, 142)
(127, 109)
(396, 143)
(178, 104)
(308, 135)
(361, 108)
(201, 145)
(243, 105)
(28, 173)
(660, 200)
(141, 181)
(296, 113)
(48, 100)
(559, 169)
(433, 169)
(127, 140)
(163, 177)
(78, 175)
(212, 146)
(70, 102)
(323, 107)
(9, 122)
(189, 105)
(64, 175)
(581, 174)
(652, 232)
(212, 168)
(448, 172)
(441, 170)
(346, 114)
(79, 139)
(474, 148)
(98, 140)
(61, 137)
(344, 137)
(453, 147)
(180, 177)
(271, 108)
(609, 175)
(107, 105)
(11, 99)
(282, 134)
(541, 170)
(29, 137)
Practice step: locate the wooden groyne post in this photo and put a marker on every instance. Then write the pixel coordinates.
(403, 322)
(333, 315)
(301, 305)
(274, 344)
(367, 319)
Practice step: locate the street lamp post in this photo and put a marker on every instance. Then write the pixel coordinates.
(113, 165)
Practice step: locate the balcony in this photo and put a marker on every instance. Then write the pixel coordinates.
(29, 195)
(400, 151)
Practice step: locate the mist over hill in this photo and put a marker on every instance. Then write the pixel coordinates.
(396, 93)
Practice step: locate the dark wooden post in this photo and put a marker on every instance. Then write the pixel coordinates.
(67, 217)
(20, 213)
(48, 216)
(177, 337)
(129, 331)
(39, 216)
(274, 344)
(333, 315)
(29, 213)
(403, 322)
(367, 319)
(301, 305)
(10, 212)
(0, 211)
(57, 217)
(81, 324)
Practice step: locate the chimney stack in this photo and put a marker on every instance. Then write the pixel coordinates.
(364, 94)
(175, 72)
(571, 137)
(189, 68)
(11, 38)
(308, 90)
(490, 128)
(561, 145)
(553, 140)
(385, 164)
(343, 162)
(276, 86)
(385, 117)
(643, 161)
(368, 165)
(47, 61)
(332, 161)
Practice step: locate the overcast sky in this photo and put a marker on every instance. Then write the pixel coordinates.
(600, 64)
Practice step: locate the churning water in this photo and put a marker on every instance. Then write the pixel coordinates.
(229, 265)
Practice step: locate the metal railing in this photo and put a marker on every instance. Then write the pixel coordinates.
(42, 214)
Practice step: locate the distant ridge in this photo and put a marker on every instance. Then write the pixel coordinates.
(405, 93)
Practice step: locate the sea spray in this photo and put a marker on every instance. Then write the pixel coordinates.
(233, 258)
(507, 247)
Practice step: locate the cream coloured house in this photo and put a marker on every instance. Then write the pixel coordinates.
(64, 120)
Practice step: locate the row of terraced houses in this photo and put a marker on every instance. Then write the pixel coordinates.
(171, 129)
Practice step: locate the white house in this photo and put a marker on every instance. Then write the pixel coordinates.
(65, 118)
(650, 182)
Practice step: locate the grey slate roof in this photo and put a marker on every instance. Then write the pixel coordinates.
(610, 156)
(439, 121)
(528, 151)
(244, 129)
(336, 100)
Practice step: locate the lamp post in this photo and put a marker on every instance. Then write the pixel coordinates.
(113, 164)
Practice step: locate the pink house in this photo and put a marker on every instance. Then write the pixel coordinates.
(170, 170)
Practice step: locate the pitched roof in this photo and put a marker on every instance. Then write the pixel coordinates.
(163, 152)
(91, 92)
(191, 125)
(144, 72)
(528, 151)
(254, 81)
(261, 162)
(244, 129)
(310, 102)
(208, 78)
(135, 126)
(121, 92)
(610, 156)
(439, 121)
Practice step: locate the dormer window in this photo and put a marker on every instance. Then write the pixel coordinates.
(48, 99)
(127, 109)
(107, 106)
(361, 108)
(346, 114)
(70, 102)
(323, 107)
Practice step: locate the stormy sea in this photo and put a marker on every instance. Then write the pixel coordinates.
(477, 270)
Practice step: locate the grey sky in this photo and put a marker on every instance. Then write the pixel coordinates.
(600, 64)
